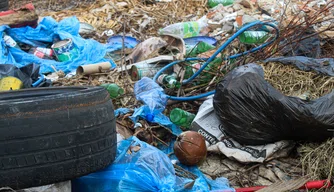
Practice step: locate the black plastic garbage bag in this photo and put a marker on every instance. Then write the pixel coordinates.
(255, 113)
(324, 66)
(306, 44)
(27, 74)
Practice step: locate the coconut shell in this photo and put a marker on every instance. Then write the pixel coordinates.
(190, 148)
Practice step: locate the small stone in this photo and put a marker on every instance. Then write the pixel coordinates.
(246, 4)
(237, 7)
(218, 17)
(228, 27)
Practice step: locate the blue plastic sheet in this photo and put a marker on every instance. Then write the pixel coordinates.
(142, 167)
(48, 31)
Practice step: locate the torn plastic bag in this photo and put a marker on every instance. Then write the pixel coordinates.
(208, 125)
(28, 74)
(324, 66)
(302, 44)
(46, 33)
(255, 113)
(142, 167)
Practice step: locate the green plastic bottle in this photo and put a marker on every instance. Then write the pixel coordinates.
(169, 81)
(214, 3)
(252, 37)
(181, 118)
(113, 90)
(204, 77)
(201, 47)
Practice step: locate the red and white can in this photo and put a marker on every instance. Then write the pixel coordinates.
(43, 52)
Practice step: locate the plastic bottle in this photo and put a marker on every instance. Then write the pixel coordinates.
(169, 81)
(201, 47)
(187, 29)
(214, 3)
(10, 41)
(113, 90)
(181, 118)
(252, 37)
(204, 76)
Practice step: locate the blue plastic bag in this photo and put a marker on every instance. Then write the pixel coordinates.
(48, 31)
(142, 167)
(155, 100)
(152, 95)
(146, 169)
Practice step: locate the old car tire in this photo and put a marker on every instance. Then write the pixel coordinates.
(4, 5)
(48, 135)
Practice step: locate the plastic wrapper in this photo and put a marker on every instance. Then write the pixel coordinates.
(142, 167)
(27, 74)
(45, 34)
(324, 66)
(255, 113)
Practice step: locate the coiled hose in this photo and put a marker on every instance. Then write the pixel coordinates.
(208, 60)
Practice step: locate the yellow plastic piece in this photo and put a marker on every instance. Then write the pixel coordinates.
(10, 83)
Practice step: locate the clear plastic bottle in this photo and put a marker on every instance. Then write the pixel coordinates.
(113, 90)
(181, 118)
(169, 81)
(214, 3)
(187, 29)
(252, 37)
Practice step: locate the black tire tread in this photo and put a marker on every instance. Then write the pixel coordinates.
(49, 135)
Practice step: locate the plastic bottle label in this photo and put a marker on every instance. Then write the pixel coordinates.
(190, 29)
(46, 51)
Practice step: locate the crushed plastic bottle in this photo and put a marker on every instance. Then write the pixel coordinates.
(152, 95)
(181, 118)
(169, 81)
(252, 37)
(214, 3)
(201, 47)
(113, 90)
(204, 77)
(187, 29)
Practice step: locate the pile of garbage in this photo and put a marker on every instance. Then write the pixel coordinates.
(216, 95)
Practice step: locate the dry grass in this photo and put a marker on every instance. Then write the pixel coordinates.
(318, 160)
(293, 82)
